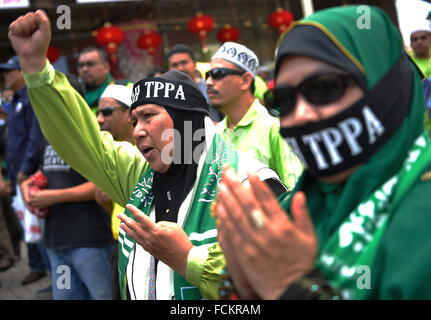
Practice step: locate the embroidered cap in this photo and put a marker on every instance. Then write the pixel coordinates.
(239, 55)
(118, 92)
(172, 89)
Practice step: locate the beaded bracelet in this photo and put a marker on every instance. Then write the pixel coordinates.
(312, 286)
(227, 288)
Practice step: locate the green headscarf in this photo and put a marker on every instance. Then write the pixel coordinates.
(370, 53)
(373, 51)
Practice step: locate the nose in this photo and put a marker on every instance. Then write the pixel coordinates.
(100, 118)
(209, 81)
(139, 131)
(304, 111)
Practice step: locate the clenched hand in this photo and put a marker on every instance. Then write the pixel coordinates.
(30, 35)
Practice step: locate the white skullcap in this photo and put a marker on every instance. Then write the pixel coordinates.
(239, 55)
(118, 92)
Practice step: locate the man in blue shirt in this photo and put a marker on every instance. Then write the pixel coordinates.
(23, 151)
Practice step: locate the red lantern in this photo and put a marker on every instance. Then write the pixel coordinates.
(111, 48)
(109, 34)
(201, 24)
(280, 19)
(150, 40)
(228, 33)
(53, 54)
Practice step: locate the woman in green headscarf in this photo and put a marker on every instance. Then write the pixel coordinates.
(351, 106)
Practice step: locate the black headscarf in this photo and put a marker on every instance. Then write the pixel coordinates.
(187, 107)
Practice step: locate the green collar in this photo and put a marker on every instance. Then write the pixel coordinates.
(92, 97)
(247, 119)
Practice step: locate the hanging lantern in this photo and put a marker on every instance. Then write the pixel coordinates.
(53, 54)
(150, 40)
(280, 19)
(201, 24)
(109, 34)
(228, 33)
(111, 48)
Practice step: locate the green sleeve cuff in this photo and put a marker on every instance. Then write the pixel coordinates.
(41, 78)
(195, 264)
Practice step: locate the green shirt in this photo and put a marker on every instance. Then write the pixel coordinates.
(424, 65)
(257, 134)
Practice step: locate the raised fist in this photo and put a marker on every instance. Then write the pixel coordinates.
(30, 36)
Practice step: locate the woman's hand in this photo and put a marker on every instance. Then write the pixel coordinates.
(272, 250)
(166, 241)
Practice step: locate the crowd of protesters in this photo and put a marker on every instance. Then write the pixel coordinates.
(187, 186)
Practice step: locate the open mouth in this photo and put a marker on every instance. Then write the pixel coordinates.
(147, 152)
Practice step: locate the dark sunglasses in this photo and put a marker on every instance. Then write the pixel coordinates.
(107, 111)
(219, 73)
(319, 90)
(89, 64)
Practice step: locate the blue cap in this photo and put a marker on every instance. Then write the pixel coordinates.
(12, 63)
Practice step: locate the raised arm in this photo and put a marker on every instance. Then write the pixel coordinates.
(65, 118)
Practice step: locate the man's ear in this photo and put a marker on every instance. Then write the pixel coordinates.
(247, 79)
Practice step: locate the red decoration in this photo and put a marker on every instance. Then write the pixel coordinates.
(280, 19)
(53, 54)
(228, 33)
(150, 40)
(111, 48)
(38, 182)
(109, 34)
(201, 24)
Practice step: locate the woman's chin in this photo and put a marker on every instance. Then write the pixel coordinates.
(159, 167)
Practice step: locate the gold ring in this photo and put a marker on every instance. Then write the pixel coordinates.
(258, 218)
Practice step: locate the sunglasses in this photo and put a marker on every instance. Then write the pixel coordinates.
(88, 64)
(107, 111)
(220, 73)
(319, 90)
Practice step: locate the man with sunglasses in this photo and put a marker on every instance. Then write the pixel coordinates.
(94, 72)
(113, 112)
(247, 126)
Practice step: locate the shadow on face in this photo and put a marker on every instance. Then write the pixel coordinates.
(293, 71)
